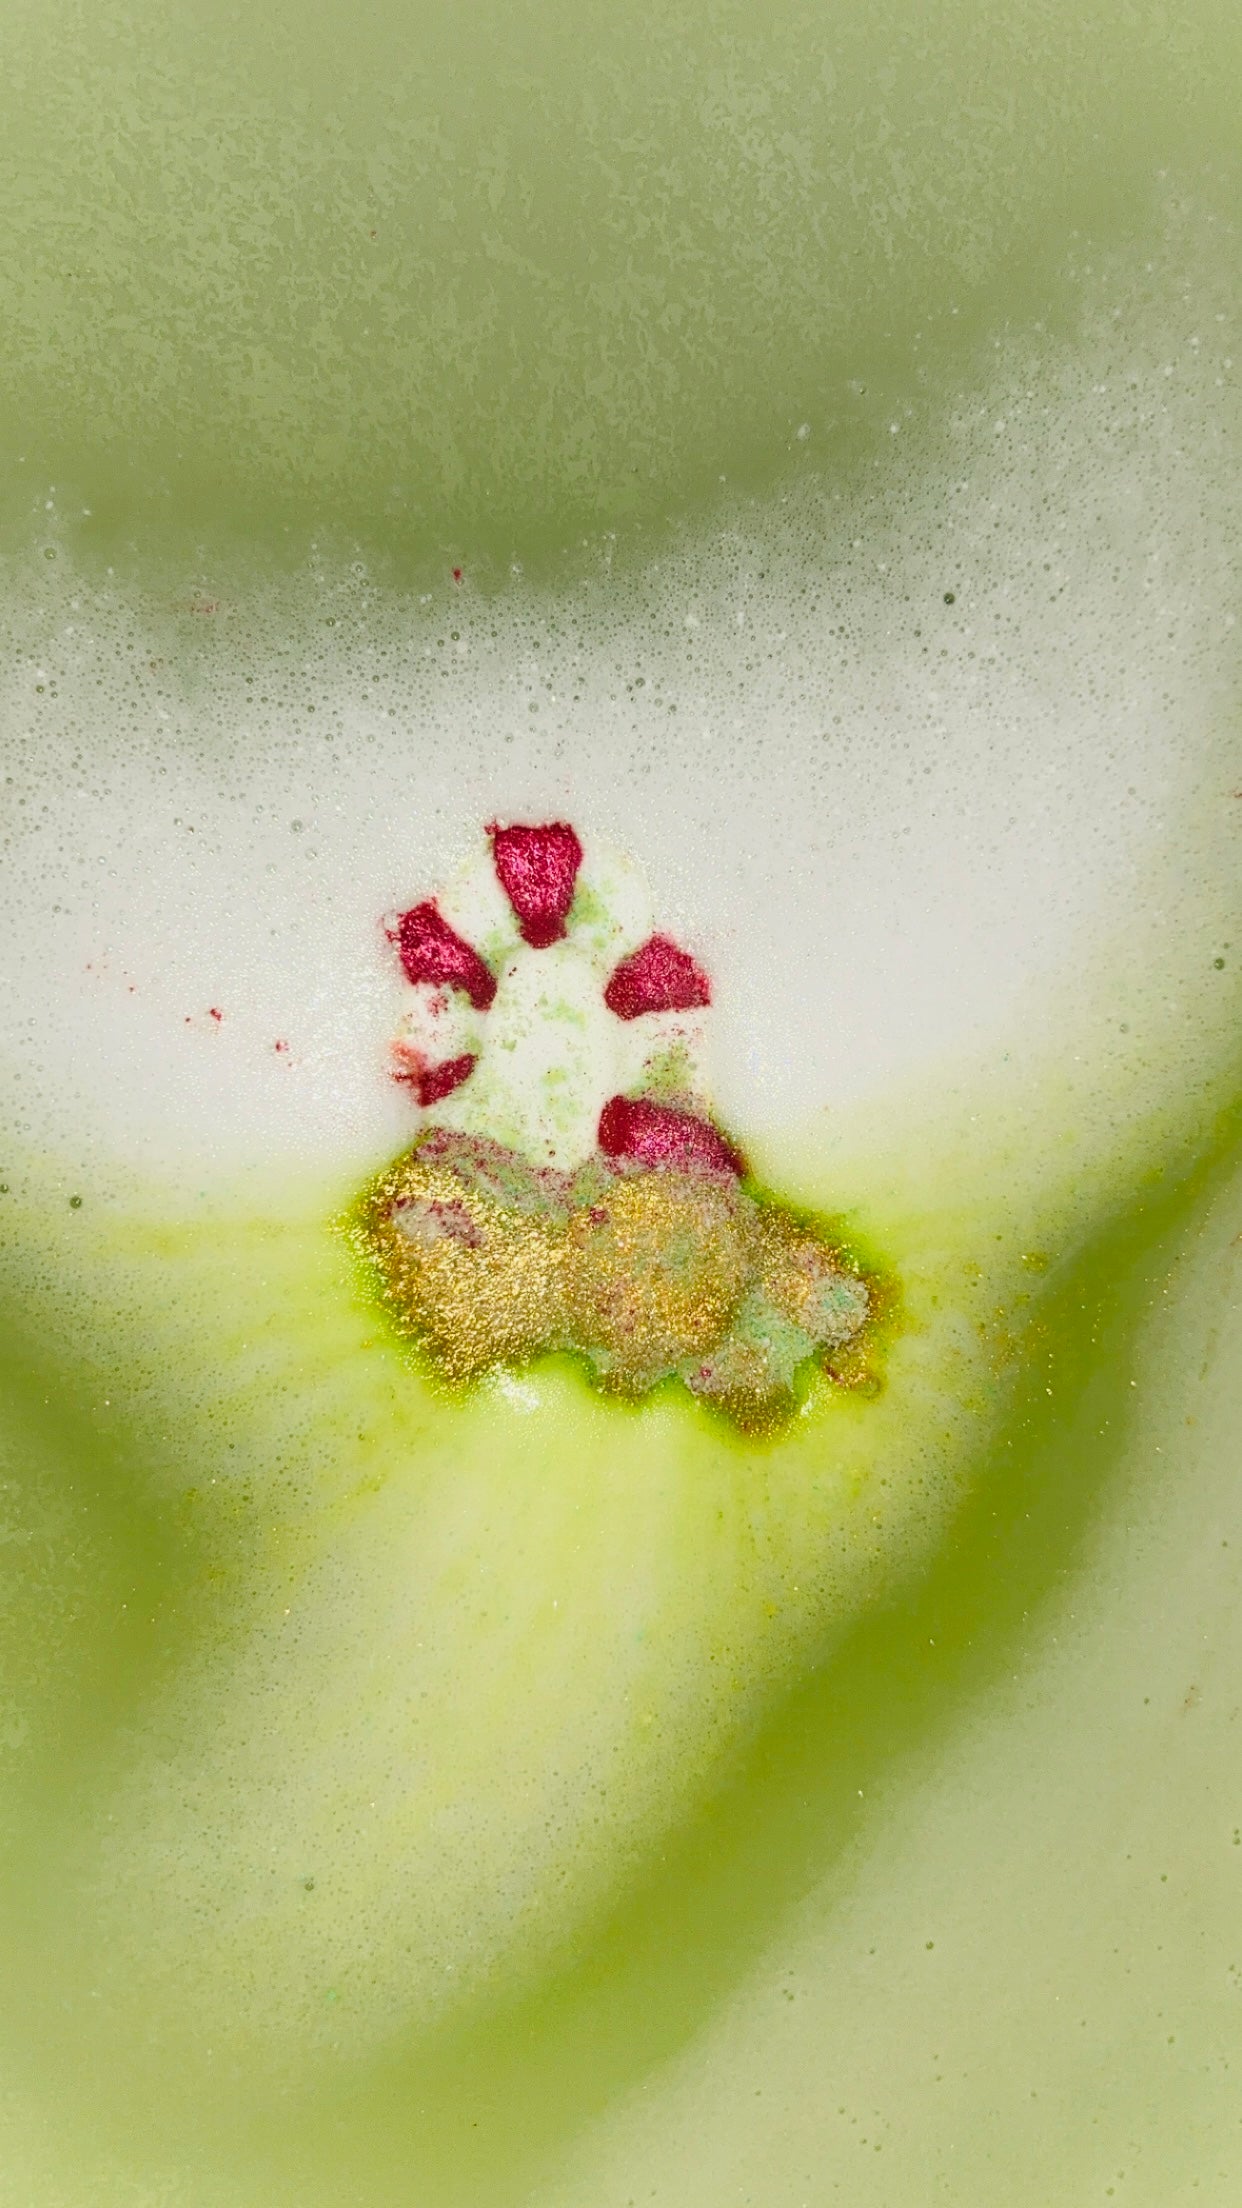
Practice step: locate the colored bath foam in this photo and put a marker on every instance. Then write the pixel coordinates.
(612, 1223)
(619, 1205)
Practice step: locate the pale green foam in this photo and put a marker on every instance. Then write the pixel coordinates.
(646, 1584)
(1012, 1974)
(610, 1570)
(546, 1066)
(459, 1664)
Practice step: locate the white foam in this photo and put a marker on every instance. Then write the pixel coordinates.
(548, 1051)
(880, 817)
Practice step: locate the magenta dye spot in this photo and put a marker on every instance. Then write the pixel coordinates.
(657, 1134)
(431, 1083)
(432, 951)
(538, 868)
(658, 977)
(439, 1222)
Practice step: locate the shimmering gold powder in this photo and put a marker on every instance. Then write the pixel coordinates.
(486, 1261)
(655, 1272)
(478, 1281)
(805, 1280)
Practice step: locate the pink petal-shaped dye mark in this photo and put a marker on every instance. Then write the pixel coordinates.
(430, 1082)
(657, 1134)
(658, 977)
(537, 869)
(432, 951)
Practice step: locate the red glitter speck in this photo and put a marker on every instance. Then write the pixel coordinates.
(656, 1135)
(430, 1083)
(280, 1046)
(656, 978)
(432, 951)
(538, 868)
(457, 575)
(215, 1013)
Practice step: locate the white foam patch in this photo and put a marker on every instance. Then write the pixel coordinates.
(548, 1051)
(880, 816)
(547, 1066)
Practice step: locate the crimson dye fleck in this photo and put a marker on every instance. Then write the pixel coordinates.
(659, 1135)
(433, 951)
(538, 870)
(431, 1083)
(658, 977)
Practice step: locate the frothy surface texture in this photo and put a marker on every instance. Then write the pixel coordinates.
(895, 754)
(931, 765)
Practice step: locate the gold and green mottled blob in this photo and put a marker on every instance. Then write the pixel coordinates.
(647, 1275)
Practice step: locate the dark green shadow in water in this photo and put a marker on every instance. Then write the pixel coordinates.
(468, 284)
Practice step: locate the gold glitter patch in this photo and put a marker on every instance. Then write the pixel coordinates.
(647, 1274)
(656, 1270)
(479, 1282)
(806, 1280)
